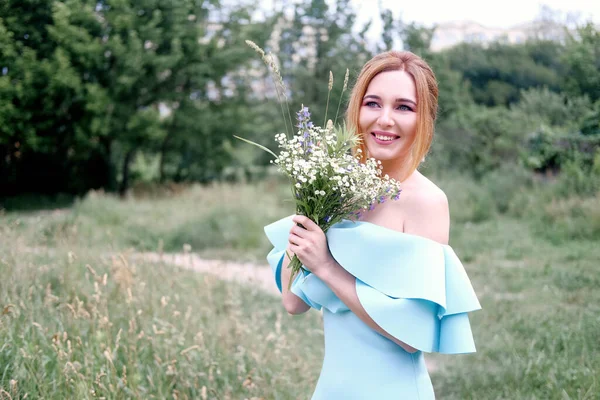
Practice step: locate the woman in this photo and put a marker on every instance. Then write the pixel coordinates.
(389, 285)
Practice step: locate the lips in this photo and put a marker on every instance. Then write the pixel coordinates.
(384, 138)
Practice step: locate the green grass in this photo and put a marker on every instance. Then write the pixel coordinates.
(79, 324)
(80, 319)
(213, 220)
(538, 335)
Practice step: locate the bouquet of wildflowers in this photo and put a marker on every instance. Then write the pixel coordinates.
(328, 182)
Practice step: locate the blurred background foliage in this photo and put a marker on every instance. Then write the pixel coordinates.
(142, 99)
(114, 94)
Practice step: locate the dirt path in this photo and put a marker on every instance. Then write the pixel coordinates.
(245, 273)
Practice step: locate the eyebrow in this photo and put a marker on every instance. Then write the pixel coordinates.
(399, 100)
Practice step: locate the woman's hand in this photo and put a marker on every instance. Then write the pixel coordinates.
(310, 245)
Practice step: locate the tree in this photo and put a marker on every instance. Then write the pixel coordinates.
(391, 27)
(583, 71)
(480, 139)
(417, 38)
(43, 133)
(590, 125)
(582, 58)
(89, 79)
(315, 41)
(496, 74)
(198, 144)
(554, 109)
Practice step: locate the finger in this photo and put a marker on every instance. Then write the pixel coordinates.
(298, 231)
(294, 239)
(295, 249)
(306, 222)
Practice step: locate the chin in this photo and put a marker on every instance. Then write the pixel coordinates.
(385, 154)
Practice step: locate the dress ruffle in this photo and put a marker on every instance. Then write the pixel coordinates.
(414, 288)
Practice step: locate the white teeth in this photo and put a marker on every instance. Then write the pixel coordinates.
(385, 138)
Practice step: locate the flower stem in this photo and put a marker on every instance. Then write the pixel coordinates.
(296, 267)
(341, 96)
(326, 108)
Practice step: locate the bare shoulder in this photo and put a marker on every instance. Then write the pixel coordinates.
(427, 196)
(427, 214)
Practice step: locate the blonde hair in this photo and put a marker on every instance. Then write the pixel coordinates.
(427, 98)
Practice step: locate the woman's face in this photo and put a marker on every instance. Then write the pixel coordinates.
(388, 117)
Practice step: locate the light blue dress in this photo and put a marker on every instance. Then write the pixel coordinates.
(414, 288)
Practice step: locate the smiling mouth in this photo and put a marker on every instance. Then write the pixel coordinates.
(384, 138)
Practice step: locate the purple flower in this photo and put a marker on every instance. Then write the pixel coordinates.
(328, 218)
(371, 206)
(304, 123)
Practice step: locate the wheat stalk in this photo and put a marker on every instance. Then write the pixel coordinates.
(269, 61)
(329, 87)
(342, 94)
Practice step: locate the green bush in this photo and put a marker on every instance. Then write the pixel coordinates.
(468, 202)
(34, 202)
(504, 183)
(591, 122)
(570, 219)
(479, 139)
(549, 150)
(495, 193)
(541, 154)
(546, 107)
(579, 178)
(224, 227)
(205, 217)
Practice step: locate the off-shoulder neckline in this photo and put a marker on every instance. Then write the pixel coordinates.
(393, 231)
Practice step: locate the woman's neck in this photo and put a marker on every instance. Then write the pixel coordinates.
(398, 169)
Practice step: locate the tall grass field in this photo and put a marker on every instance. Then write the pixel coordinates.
(81, 317)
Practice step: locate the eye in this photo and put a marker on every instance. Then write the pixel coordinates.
(372, 104)
(404, 107)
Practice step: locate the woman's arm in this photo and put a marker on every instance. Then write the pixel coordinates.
(292, 303)
(310, 245)
(343, 284)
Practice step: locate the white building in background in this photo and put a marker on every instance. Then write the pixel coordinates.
(448, 34)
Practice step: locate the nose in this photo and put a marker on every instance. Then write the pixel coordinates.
(385, 118)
